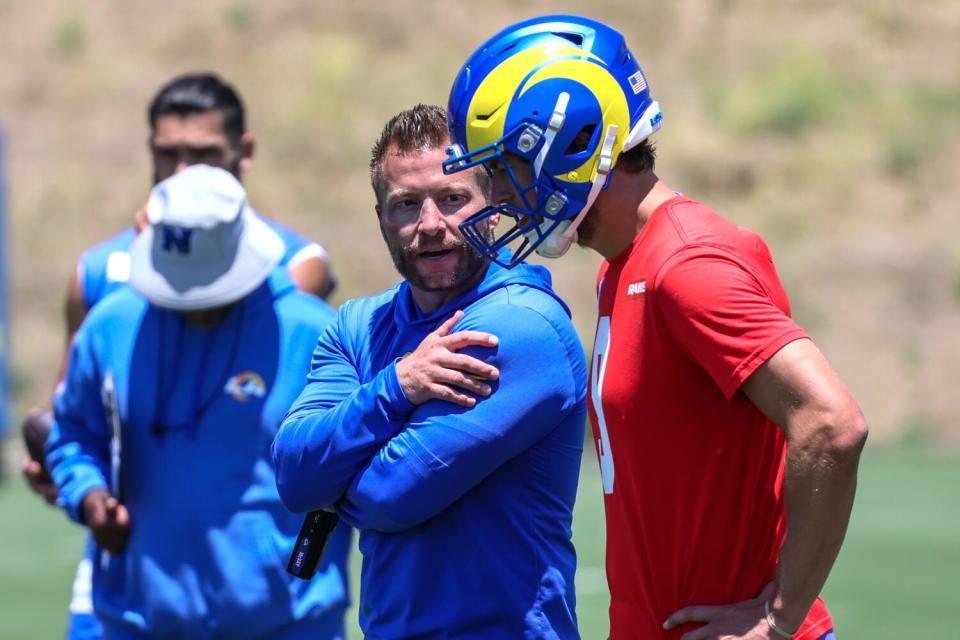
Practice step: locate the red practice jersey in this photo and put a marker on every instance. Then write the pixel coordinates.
(692, 470)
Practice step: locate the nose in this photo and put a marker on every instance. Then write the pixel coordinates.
(431, 219)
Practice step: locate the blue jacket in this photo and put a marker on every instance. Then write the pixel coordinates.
(464, 514)
(105, 267)
(197, 411)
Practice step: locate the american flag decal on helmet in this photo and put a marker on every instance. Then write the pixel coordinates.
(637, 82)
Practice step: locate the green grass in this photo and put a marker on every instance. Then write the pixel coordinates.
(896, 576)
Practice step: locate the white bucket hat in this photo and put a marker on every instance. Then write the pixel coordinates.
(205, 247)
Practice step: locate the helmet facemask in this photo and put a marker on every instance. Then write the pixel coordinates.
(544, 218)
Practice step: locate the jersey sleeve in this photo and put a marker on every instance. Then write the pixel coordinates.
(721, 314)
(91, 275)
(444, 450)
(298, 249)
(335, 425)
(78, 448)
(105, 267)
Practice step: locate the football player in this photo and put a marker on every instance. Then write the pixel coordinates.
(728, 446)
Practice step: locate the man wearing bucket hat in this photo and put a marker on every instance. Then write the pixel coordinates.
(195, 117)
(160, 440)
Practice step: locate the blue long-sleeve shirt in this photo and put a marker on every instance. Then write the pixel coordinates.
(464, 514)
(197, 411)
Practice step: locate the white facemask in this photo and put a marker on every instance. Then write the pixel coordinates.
(557, 243)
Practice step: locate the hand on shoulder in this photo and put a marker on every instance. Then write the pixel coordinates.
(436, 371)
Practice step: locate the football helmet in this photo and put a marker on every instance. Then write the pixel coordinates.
(565, 96)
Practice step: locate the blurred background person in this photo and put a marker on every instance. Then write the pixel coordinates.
(160, 442)
(193, 118)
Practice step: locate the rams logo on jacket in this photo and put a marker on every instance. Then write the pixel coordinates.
(244, 385)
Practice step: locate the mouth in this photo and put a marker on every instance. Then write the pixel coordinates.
(434, 255)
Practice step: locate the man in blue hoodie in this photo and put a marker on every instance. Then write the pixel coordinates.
(160, 443)
(195, 118)
(444, 419)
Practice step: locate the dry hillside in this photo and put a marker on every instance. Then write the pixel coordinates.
(832, 128)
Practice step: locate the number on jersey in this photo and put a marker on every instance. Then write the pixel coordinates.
(601, 347)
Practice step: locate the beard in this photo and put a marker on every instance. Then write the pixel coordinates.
(588, 227)
(470, 262)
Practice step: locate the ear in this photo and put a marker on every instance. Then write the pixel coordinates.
(140, 221)
(378, 209)
(383, 232)
(493, 221)
(248, 145)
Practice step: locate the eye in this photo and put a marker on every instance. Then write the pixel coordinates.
(206, 155)
(166, 153)
(494, 166)
(403, 206)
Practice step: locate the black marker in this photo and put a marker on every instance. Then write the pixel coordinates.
(314, 535)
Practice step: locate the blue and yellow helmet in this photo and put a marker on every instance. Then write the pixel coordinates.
(564, 94)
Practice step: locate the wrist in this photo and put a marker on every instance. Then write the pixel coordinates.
(91, 497)
(779, 623)
(397, 406)
(399, 367)
(402, 368)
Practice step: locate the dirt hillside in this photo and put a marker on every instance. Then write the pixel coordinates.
(831, 128)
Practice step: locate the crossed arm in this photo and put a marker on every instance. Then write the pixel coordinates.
(404, 446)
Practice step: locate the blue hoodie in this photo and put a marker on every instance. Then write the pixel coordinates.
(197, 412)
(464, 514)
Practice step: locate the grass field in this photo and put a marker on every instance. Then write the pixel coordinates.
(896, 577)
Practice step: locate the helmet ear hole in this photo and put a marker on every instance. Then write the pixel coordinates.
(581, 141)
